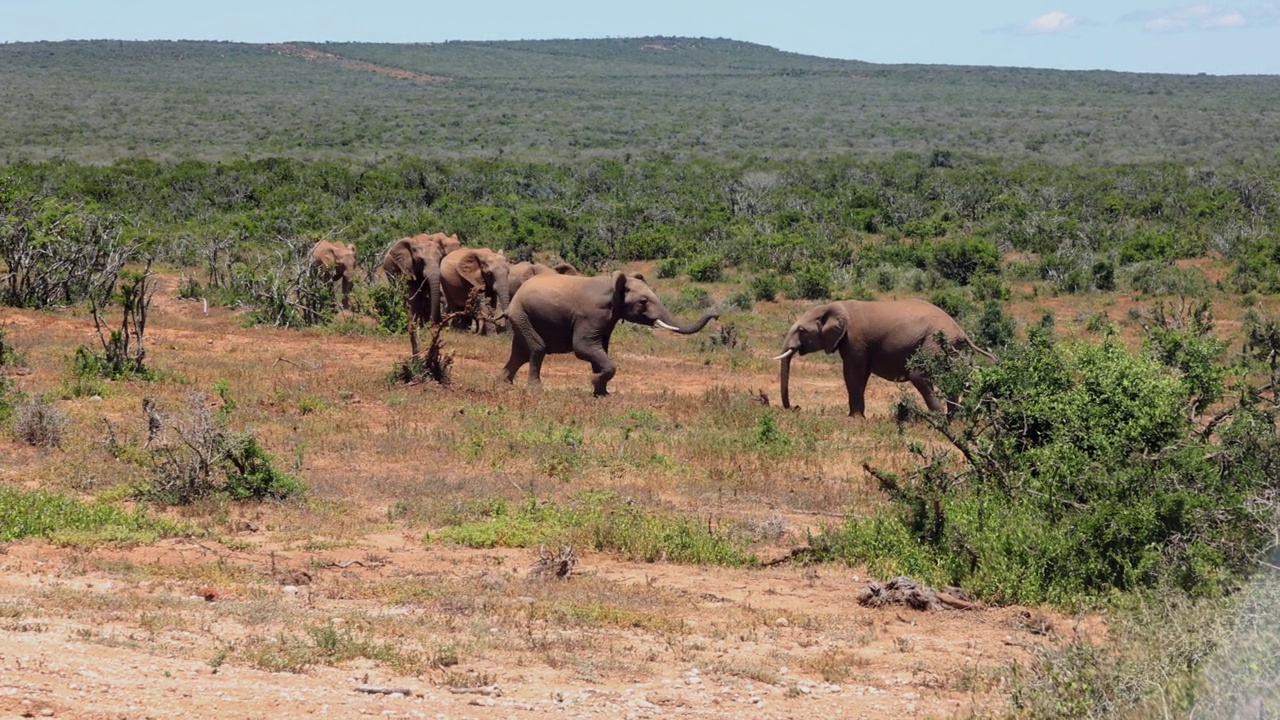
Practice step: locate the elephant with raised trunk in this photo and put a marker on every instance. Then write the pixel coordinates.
(572, 313)
(341, 259)
(522, 271)
(476, 269)
(873, 337)
(416, 262)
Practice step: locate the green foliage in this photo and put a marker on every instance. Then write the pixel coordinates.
(764, 288)
(670, 268)
(812, 281)
(994, 328)
(198, 455)
(741, 300)
(9, 355)
(389, 307)
(705, 268)
(959, 259)
(691, 298)
(602, 522)
(954, 301)
(1084, 475)
(37, 513)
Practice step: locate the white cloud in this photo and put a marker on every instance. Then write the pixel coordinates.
(1204, 16)
(1051, 22)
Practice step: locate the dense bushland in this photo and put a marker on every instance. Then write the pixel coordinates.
(831, 226)
(1088, 469)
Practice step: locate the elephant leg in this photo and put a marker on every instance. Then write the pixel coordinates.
(413, 336)
(602, 368)
(925, 388)
(535, 367)
(346, 292)
(519, 356)
(855, 381)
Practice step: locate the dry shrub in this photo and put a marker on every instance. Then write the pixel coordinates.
(40, 423)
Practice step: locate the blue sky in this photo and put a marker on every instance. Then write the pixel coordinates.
(1132, 35)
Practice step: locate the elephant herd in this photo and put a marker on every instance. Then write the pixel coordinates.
(554, 310)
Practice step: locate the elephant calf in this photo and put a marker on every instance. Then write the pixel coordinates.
(873, 337)
(341, 259)
(571, 313)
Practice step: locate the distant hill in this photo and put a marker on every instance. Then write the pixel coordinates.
(96, 101)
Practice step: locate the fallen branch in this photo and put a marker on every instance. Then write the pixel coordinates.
(490, 690)
(374, 690)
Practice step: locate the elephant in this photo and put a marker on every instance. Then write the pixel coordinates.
(417, 259)
(341, 259)
(876, 336)
(470, 269)
(522, 271)
(573, 313)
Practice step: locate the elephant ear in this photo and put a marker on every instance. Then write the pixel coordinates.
(619, 293)
(639, 277)
(469, 266)
(835, 325)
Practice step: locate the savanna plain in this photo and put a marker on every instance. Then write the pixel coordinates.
(224, 495)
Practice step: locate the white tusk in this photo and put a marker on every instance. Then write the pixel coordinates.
(786, 354)
(666, 326)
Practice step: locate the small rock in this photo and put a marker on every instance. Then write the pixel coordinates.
(781, 622)
(289, 589)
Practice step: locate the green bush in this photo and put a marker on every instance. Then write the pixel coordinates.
(954, 301)
(764, 288)
(670, 268)
(994, 328)
(1085, 475)
(813, 281)
(691, 298)
(960, 258)
(705, 268)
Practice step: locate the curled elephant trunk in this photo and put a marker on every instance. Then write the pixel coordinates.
(689, 329)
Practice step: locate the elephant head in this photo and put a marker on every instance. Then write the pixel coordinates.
(821, 328)
(341, 259)
(483, 269)
(634, 301)
(417, 260)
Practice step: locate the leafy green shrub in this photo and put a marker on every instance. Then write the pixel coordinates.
(989, 287)
(960, 258)
(197, 455)
(1085, 474)
(764, 288)
(954, 301)
(740, 300)
(813, 281)
(994, 328)
(389, 307)
(691, 298)
(1104, 275)
(10, 397)
(670, 268)
(1157, 278)
(705, 268)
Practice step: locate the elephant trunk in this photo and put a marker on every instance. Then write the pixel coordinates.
(707, 317)
(784, 379)
(433, 292)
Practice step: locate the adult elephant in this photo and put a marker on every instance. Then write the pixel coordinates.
(522, 271)
(572, 313)
(340, 258)
(472, 269)
(873, 337)
(415, 261)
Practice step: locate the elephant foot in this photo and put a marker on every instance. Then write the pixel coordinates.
(601, 392)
